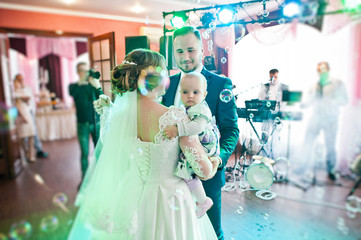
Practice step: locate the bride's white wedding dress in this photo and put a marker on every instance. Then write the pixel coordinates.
(138, 196)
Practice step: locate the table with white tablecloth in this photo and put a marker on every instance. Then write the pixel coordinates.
(56, 124)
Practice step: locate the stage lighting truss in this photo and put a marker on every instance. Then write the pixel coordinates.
(255, 11)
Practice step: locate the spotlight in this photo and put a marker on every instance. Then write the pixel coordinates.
(207, 18)
(292, 9)
(225, 15)
(179, 20)
(351, 4)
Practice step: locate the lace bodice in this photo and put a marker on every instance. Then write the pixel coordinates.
(173, 116)
(157, 161)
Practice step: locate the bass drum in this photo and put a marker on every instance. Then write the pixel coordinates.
(260, 175)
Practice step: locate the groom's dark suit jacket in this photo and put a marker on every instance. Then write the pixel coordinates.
(226, 118)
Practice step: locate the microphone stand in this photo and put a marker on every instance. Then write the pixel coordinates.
(240, 93)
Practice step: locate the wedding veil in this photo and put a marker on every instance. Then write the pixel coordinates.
(111, 190)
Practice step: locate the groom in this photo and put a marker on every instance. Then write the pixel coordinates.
(188, 52)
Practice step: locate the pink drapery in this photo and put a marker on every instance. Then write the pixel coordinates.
(225, 39)
(357, 64)
(38, 47)
(351, 127)
(221, 39)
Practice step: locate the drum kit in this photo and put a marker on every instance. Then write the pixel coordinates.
(259, 173)
(254, 166)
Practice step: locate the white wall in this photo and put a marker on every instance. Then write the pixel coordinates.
(295, 50)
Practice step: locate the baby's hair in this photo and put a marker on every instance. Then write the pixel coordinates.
(125, 76)
(199, 76)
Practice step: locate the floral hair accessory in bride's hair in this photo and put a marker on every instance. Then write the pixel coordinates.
(130, 63)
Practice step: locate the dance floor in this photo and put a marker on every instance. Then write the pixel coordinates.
(317, 213)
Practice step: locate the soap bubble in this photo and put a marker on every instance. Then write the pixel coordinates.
(205, 35)
(60, 198)
(281, 21)
(226, 95)
(173, 204)
(20, 230)
(239, 210)
(265, 13)
(281, 166)
(213, 25)
(140, 151)
(49, 223)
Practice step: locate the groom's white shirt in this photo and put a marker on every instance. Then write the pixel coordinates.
(177, 101)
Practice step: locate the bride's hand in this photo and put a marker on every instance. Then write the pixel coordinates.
(103, 101)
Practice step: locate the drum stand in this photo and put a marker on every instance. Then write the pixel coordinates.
(243, 153)
(260, 139)
(242, 163)
(315, 182)
(355, 186)
(285, 178)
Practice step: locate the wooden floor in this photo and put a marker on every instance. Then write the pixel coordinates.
(315, 214)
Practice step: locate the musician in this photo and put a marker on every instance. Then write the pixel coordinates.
(272, 91)
(326, 97)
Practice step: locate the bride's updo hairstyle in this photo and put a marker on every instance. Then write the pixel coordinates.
(137, 63)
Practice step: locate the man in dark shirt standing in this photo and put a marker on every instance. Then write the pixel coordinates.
(84, 92)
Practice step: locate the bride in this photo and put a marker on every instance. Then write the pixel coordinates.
(132, 191)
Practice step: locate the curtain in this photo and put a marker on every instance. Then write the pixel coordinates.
(52, 63)
(350, 132)
(39, 47)
(58, 53)
(81, 47)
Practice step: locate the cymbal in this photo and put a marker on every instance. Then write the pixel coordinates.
(263, 159)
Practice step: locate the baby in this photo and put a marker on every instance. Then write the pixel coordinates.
(193, 92)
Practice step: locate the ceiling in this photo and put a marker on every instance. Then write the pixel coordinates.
(142, 10)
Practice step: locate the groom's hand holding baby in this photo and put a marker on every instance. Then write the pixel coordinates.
(216, 161)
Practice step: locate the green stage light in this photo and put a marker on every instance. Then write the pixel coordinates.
(351, 4)
(179, 20)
